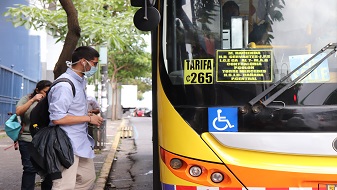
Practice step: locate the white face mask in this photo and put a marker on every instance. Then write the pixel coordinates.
(91, 72)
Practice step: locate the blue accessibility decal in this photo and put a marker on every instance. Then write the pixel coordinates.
(223, 119)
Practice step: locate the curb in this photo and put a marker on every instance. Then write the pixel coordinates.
(105, 171)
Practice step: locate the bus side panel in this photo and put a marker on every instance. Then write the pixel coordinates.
(175, 135)
(275, 170)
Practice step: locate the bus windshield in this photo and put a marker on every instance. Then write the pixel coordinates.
(225, 53)
(249, 86)
(274, 61)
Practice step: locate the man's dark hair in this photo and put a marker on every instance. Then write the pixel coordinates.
(85, 52)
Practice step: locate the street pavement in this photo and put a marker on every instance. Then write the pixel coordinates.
(11, 168)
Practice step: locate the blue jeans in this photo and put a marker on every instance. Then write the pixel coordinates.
(29, 172)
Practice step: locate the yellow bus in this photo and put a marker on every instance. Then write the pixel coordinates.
(245, 94)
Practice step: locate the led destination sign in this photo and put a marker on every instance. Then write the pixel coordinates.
(244, 66)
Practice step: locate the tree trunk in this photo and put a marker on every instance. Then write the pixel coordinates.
(72, 37)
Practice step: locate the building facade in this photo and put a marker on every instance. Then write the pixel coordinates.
(20, 62)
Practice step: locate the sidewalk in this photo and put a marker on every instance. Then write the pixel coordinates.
(11, 168)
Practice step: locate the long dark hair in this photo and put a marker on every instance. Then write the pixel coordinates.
(40, 86)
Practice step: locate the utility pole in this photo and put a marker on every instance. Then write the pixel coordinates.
(103, 51)
(104, 99)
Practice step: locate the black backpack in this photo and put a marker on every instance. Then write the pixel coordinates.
(39, 116)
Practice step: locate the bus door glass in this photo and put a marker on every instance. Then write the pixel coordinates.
(193, 32)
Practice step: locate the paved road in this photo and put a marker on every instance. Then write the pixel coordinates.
(133, 167)
(11, 168)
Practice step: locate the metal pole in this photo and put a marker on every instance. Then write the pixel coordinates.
(104, 102)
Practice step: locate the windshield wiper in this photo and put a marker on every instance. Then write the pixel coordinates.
(267, 101)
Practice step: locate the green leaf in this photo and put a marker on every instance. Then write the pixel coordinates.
(27, 25)
(19, 23)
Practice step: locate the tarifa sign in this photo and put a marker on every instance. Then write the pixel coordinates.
(198, 71)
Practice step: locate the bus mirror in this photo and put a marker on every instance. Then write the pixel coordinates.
(146, 19)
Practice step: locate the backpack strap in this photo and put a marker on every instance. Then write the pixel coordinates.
(64, 80)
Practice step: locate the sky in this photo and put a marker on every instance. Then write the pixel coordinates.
(148, 40)
(147, 101)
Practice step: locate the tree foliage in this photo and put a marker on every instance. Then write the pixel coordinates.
(108, 22)
(101, 21)
(130, 63)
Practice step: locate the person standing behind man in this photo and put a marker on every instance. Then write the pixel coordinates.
(23, 109)
(229, 9)
(71, 114)
(93, 108)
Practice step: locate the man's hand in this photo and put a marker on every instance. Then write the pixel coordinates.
(95, 120)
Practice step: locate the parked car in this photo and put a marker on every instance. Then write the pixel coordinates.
(147, 112)
(132, 112)
(139, 112)
(143, 112)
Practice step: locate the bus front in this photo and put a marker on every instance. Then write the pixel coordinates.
(246, 94)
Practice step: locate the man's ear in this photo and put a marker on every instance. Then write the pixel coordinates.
(82, 61)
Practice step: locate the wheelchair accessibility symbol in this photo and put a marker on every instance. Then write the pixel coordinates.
(222, 119)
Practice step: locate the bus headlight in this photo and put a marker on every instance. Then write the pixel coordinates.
(195, 171)
(176, 163)
(217, 177)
